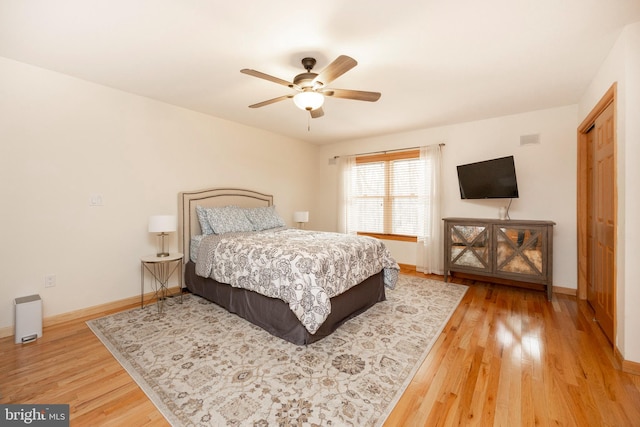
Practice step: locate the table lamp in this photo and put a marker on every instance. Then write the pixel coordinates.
(301, 217)
(162, 224)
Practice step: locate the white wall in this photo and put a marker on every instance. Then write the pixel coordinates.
(546, 175)
(64, 139)
(623, 66)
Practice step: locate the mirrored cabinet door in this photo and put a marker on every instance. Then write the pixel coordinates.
(520, 250)
(470, 246)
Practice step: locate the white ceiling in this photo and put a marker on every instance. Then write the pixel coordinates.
(436, 62)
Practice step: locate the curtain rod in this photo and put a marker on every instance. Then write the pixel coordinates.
(442, 144)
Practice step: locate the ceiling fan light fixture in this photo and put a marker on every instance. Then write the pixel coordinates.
(312, 87)
(308, 100)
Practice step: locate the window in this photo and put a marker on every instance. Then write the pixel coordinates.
(395, 196)
(385, 194)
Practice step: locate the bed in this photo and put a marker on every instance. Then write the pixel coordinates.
(273, 314)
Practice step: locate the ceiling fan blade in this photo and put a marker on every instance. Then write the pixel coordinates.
(338, 67)
(264, 76)
(358, 95)
(270, 101)
(318, 112)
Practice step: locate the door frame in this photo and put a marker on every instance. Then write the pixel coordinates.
(582, 197)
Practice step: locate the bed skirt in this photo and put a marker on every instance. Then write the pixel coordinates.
(275, 316)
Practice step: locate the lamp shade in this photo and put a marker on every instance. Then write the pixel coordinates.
(301, 216)
(308, 100)
(162, 223)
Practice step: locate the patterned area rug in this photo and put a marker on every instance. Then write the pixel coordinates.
(201, 365)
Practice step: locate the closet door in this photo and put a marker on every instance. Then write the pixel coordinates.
(602, 218)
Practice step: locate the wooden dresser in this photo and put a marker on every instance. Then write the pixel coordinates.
(512, 252)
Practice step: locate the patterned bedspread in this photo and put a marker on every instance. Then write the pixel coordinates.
(302, 268)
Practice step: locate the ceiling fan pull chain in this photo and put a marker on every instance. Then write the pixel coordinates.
(308, 123)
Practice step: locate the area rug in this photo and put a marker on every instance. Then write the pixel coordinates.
(202, 366)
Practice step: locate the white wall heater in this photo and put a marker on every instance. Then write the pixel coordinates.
(28, 318)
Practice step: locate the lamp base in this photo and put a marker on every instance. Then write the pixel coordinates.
(162, 253)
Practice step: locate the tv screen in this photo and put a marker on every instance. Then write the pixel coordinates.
(490, 179)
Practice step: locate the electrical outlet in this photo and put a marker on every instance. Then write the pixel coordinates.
(96, 199)
(49, 280)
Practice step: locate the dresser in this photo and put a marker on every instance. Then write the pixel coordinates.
(511, 252)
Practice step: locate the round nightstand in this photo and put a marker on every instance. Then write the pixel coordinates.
(161, 269)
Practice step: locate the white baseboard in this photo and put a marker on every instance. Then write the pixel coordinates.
(95, 311)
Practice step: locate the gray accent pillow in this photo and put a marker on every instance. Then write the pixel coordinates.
(264, 218)
(228, 219)
(202, 219)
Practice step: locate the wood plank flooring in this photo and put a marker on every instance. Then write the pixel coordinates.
(507, 357)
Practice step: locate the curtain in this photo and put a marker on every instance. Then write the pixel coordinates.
(429, 250)
(346, 208)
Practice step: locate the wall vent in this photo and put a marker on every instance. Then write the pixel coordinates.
(530, 139)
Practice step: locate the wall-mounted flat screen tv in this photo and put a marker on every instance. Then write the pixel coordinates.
(490, 179)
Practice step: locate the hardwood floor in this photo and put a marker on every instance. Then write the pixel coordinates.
(507, 357)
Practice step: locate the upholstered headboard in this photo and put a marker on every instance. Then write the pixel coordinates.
(188, 224)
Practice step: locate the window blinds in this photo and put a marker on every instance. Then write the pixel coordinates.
(386, 195)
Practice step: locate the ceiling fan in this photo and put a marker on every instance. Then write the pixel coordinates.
(312, 87)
